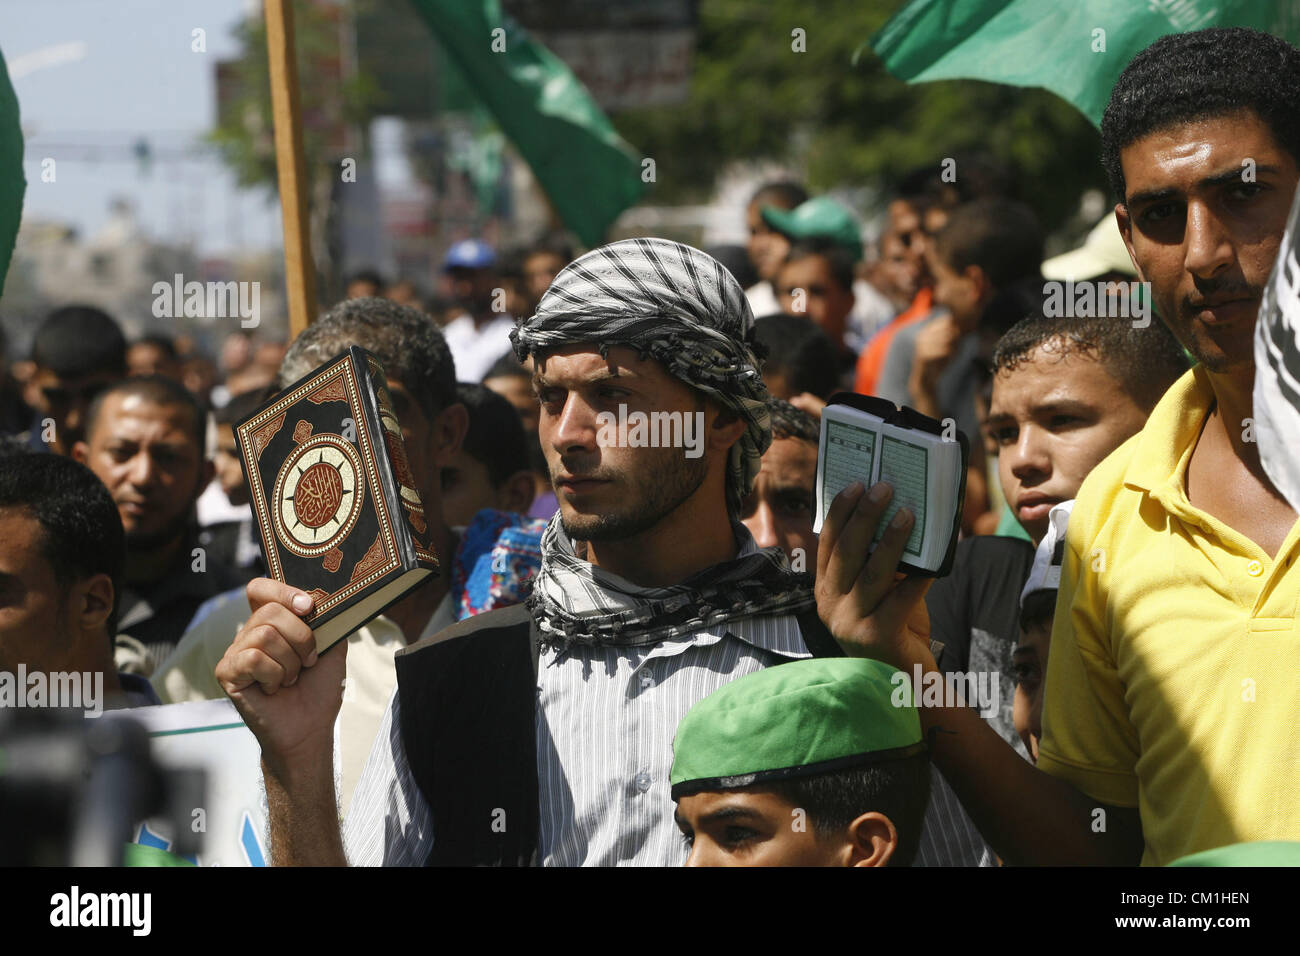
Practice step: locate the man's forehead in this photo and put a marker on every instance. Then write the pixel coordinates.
(1198, 148)
(138, 413)
(583, 361)
(396, 388)
(538, 257)
(790, 459)
(20, 538)
(810, 265)
(47, 377)
(745, 801)
(1048, 378)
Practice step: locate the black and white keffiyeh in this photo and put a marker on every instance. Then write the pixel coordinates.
(575, 602)
(674, 304)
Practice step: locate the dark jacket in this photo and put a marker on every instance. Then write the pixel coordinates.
(482, 674)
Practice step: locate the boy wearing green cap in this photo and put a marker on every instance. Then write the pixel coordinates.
(811, 763)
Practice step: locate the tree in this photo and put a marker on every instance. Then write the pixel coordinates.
(754, 97)
(333, 101)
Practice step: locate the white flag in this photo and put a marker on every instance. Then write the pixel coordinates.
(1277, 367)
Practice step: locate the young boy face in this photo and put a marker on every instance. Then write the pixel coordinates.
(1029, 668)
(825, 301)
(1054, 418)
(961, 293)
(467, 489)
(767, 247)
(755, 827)
(226, 462)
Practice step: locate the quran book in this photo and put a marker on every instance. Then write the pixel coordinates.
(333, 494)
(869, 439)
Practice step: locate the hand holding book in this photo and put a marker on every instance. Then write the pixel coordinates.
(287, 693)
(870, 440)
(870, 608)
(334, 497)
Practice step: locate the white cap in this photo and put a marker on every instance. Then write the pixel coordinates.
(1103, 251)
(1045, 574)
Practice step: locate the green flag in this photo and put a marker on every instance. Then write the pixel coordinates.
(1075, 48)
(12, 182)
(587, 170)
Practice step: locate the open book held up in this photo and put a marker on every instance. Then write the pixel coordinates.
(869, 439)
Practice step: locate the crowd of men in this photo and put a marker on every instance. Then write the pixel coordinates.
(591, 680)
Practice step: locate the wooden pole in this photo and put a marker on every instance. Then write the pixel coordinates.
(299, 271)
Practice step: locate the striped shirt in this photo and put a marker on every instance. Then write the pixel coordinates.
(606, 717)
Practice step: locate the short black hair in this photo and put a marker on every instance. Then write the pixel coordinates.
(369, 275)
(1185, 77)
(77, 340)
(977, 175)
(510, 262)
(735, 259)
(785, 193)
(163, 342)
(158, 390)
(839, 259)
(508, 366)
(1038, 609)
(791, 422)
(1011, 303)
(900, 789)
(243, 405)
(496, 435)
(798, 348)
(552, 243)
(1144, 361)
(408, 344)
(1001, 236)
(81, 527)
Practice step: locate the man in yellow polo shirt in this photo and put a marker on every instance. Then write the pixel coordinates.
(1170, 702)
(1168, 685)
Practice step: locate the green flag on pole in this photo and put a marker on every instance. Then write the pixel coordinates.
(587, 170)
(12, 182)
(1075, 48)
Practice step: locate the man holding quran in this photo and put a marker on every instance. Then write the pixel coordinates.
(542, 734)
(1169, 707)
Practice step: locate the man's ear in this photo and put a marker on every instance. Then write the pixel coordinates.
(516, 493)
(872, 840)
(449, 430)
(93, 602)
(81, 452)
(1126, 230)
(727, 427)
(207, 471)
(981, 281)
(32, 393)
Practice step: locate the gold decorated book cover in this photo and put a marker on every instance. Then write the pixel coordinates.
(333, 494)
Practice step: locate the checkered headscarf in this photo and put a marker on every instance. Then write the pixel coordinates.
(676, 305)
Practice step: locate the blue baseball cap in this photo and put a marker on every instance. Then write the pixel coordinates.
(469, 254)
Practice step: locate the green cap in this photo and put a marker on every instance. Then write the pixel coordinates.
(1265, 853)
(795, 720)
(819, 218)
(137, 854)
